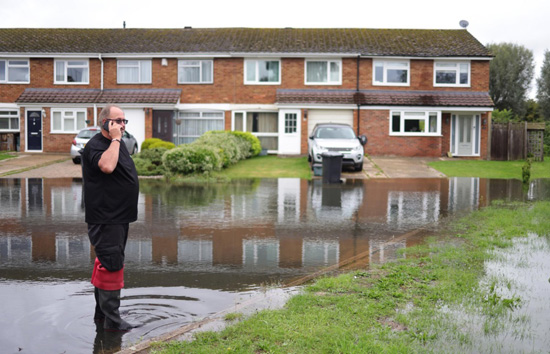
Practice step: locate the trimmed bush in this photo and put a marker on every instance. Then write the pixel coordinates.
(255, 145)
(192, 158)
(148, 142)
(162, 144)
(232, 148)
(149, 162)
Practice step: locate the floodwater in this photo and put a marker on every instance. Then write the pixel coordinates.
(197, 250)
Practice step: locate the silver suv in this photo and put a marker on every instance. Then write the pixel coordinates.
(336, 137)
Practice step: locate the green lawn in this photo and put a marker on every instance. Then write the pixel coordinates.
(490, 169)
(268, 167)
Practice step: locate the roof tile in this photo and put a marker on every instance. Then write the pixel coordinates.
(386, 98)
(53, 95)
(364, 41)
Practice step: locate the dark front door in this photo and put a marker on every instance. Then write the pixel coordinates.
(34, 130)
(162, 125)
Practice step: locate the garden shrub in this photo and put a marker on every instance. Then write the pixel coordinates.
(148, 142)
(232, 148)
(149, 162)
(192, 158)
(255, 145)
(162, 144)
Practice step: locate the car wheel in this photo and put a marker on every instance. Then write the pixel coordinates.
(76, 160)
(359, 167)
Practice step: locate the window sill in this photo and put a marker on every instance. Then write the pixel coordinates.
(452, 85)
(14, 83)
(390, 84)
(71, 83)
(195, 83)
(417, 135)
(63, 132)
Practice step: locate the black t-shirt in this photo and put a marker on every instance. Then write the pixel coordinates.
(109, 198)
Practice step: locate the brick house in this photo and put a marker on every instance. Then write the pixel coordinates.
(411, 92)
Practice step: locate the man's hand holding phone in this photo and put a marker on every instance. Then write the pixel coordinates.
(113, 128)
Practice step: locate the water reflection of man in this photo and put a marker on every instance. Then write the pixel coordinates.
(111, 189)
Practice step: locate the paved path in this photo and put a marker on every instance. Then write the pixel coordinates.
(45, 165)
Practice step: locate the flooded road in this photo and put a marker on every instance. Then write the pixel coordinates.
(196, 250)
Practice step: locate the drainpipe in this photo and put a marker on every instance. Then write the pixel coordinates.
(101, 87)
(357, 95)
(101, 60)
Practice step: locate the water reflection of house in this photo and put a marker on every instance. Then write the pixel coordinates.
(283, 224)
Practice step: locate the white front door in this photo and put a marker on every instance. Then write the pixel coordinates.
(289, 131)
(465, 134)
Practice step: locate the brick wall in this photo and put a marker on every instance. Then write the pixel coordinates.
(375, 125)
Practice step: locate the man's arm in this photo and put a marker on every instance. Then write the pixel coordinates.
(109, 159)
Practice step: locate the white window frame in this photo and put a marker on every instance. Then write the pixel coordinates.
(182, 64)
(5, 62)
(256, 81)
(64, 111)
(411, 114)
(9, 115)
(66, 67)
(140, 62)
(200, 115)
(329, 62)
(456, 69)
(388, 65)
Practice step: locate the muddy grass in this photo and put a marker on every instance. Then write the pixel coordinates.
(441, 296)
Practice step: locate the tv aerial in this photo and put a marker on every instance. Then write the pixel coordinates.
(464, 24)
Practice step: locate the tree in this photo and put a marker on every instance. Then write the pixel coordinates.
(543, 87)
(532, 113)
(510, 74)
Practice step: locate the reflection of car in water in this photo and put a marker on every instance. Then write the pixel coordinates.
(336, 137)
(87, 133)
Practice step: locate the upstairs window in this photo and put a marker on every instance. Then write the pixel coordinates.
(262, 72)
(391, 72)
(71, 72)
(323, 72)
(68, 120)
(415, 123)
(15, 71)
(134, 72)
(448, 73)
(195, 72)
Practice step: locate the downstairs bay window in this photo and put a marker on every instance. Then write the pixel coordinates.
(9, 121)
(415, 123)
(189, 126)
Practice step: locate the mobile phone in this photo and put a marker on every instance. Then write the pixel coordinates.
(106, 126)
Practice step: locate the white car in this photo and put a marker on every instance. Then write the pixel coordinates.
(340, 138)
(87, 133)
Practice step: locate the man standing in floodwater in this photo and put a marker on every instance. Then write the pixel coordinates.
(111, 190)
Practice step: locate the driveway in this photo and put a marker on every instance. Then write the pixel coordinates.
(60, 165)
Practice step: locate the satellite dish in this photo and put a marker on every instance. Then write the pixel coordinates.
(463, 23)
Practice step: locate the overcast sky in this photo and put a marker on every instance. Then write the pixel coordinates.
(525, 22)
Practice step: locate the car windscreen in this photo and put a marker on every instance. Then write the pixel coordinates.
(335, 133)
(87, 134)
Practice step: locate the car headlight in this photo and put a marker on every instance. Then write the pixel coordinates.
(357, 148)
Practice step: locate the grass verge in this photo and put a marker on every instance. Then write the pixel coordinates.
(395, 307)
(6, 155)
(490, 169)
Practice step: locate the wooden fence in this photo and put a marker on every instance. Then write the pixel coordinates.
(515, 141)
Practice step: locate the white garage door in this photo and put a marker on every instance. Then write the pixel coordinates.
(136, 124)
(328, 116)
